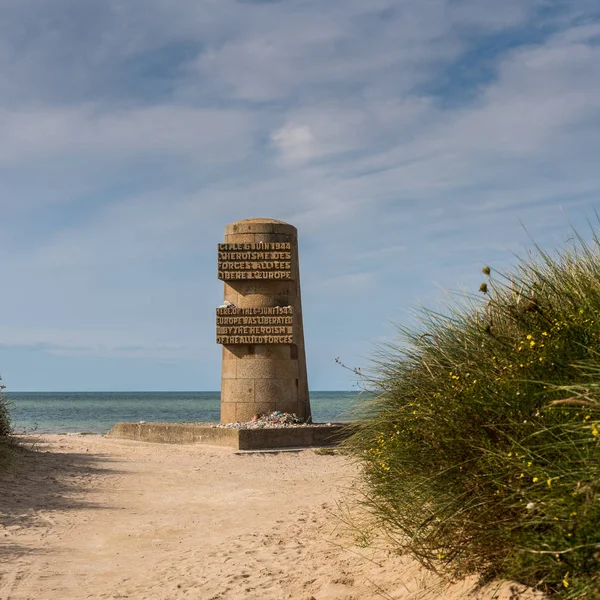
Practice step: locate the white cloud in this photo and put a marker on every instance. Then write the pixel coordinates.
(342, 158)
(295, 142)
(301, 50)
(325, 130)
(537, 112)
(204, 135)
(94, 343)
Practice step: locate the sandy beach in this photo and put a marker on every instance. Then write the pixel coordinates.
(88, 517)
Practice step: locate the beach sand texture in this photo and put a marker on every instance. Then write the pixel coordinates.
(88, 517)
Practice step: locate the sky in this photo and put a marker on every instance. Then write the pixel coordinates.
(411, 142)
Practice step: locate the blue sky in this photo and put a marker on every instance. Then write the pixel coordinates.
(407, 140)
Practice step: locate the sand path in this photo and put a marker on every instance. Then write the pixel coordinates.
(87, 517)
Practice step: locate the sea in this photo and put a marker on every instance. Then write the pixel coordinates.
(97, 412)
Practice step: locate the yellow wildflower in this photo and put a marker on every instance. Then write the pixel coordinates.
(536, 479)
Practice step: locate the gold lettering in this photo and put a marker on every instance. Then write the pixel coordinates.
(266, 261)
(260, 247)
(269, 325)
(253, 339)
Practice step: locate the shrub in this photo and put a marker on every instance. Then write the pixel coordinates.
(7, 442)
(5, 427)
(481, 447)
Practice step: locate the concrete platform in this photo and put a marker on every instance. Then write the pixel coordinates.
(239, 439)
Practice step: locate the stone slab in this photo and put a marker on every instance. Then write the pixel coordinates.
(239, 439)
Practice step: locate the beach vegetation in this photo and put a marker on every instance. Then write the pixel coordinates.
(6, 439)
(5, 427)
(481, 442)
(325, 451)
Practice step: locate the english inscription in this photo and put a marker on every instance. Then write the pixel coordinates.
(255, 325)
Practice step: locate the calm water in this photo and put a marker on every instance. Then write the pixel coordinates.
(97, 412)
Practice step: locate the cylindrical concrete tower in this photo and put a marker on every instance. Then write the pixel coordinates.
(260, 322)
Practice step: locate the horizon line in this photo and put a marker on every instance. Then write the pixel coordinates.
(139, 391)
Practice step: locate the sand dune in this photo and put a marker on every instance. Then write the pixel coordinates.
(86, 517)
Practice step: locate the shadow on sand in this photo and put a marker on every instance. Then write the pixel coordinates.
(36, 483)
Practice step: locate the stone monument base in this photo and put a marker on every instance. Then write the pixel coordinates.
(303, 436)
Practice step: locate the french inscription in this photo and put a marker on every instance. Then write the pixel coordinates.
(271, 260)
(255, 325)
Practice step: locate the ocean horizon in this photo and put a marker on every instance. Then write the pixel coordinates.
(97, 412)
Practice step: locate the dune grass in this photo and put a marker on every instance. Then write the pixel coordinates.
(481, 447)
(5, 427)
(6, 440)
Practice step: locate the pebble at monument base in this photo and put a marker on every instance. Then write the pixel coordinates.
(260, 322)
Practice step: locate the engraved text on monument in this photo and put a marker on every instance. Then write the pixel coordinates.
(274, 325)
(272, 261)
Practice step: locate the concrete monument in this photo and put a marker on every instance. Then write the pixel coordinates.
(259, 323)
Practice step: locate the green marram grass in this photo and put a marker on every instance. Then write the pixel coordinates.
(6, 441)
(481, 447)
(5, 427)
